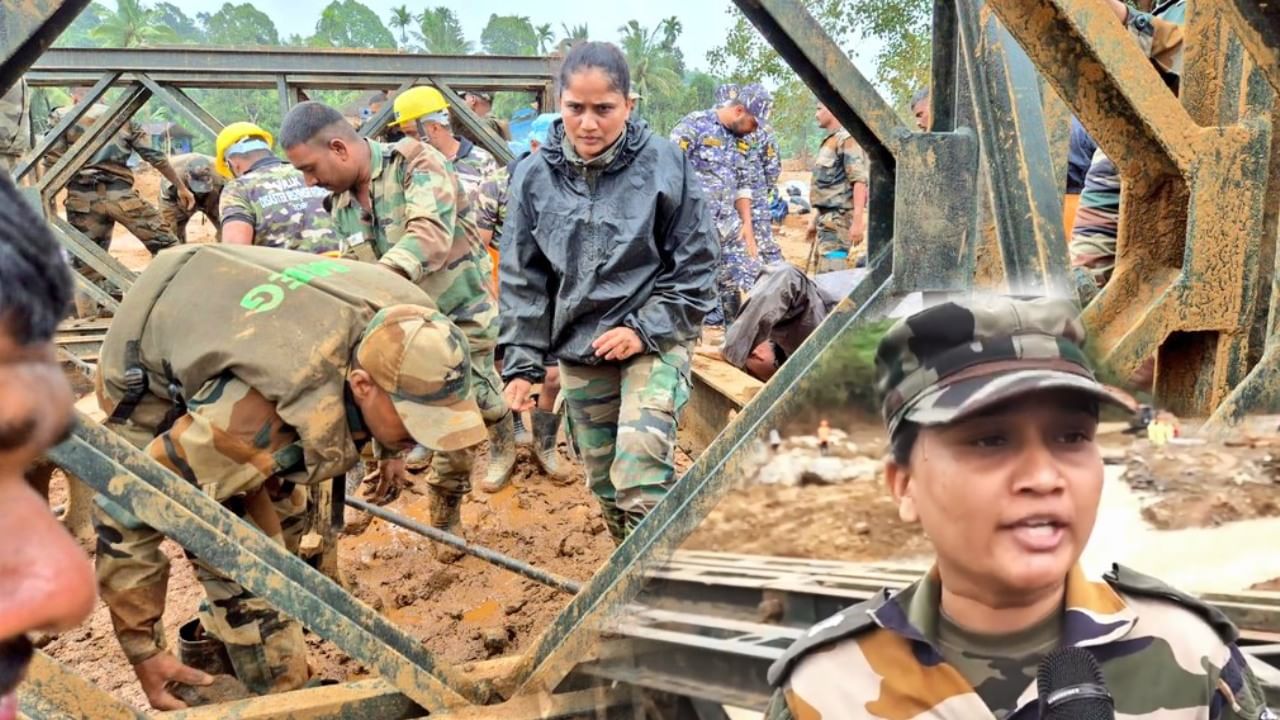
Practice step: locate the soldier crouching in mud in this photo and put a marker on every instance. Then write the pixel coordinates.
(991, 410)
(297, 363)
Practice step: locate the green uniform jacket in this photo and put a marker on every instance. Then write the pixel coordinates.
(285, 323)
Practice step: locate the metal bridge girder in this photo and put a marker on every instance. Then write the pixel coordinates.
(145, 490)
(27, 29)
(94, 138)
(1192, 204)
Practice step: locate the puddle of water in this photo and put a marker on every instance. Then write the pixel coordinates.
(482, 613)
(1228, 558)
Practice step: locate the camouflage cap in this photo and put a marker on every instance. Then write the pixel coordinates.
(753, 97)
(421, 359)
(200, 175)
(952, 360)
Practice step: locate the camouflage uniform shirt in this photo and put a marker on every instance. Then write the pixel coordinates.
(1164, 655)
(763, 167)
(284, 212)
(491, 202)
(15, 125)
(840, 164)
(112, 161)
(719, 158)
(473, 164)
(256, 407)
(197, 172)
(422, 225)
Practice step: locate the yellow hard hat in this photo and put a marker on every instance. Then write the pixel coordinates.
(418, 102)
(232, 134)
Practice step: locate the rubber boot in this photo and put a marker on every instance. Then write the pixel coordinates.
(446, 515)
(418, 459)
(502, 455)
(730, 305)
(523, 436)
(201, 650)
(546, 426)
(615, 520)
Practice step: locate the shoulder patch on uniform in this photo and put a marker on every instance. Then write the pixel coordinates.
(847, 623)
(1133, 582)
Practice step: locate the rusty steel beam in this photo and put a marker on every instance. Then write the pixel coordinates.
(183, 105)
(1258, 22)
(27, 29)
(145, 491)
(53, 692)
(1192, 204)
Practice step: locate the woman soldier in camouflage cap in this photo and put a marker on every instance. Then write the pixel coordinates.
(992, 410)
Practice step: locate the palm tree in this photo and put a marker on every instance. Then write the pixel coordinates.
(545, 36)
(132, 25)
(440, 32)
(670, 28)
(652, 64)
(401, 19)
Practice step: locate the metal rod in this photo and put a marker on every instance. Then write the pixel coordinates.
(492, 556)
(161, 93)
(101, 132)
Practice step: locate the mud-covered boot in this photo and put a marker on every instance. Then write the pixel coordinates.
(502, 455)
(615, 521)
(446, 515)
(202, 651)
(546, 426)
(523, 436)
(418, 459)
(730, 305)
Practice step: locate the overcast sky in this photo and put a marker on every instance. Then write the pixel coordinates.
(705, 21)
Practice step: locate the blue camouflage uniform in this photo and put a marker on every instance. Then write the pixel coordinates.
(719, 157)
(763, 166)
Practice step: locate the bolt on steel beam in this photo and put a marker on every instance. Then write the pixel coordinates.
(146, 491)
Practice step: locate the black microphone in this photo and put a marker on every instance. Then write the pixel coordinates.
(1071, 687)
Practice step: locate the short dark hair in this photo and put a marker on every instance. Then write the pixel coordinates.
(602, 55)
(35, 282)
(313, 120)
(920, 96)
(902, 442)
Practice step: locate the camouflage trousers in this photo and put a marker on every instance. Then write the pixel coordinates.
(451, 471)
(266, 646)
(95, 209)
(762, 224)
(834, 251)
(622, 418)
(176, 217)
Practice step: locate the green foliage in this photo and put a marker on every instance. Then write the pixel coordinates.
(440, 33)
(186, 29)
(509, 35)
(133, 24)
(793, 120)
(351, 24)
(401, 20)
(902, 26)
(239, 26)
(80, 32)
(845, 375)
